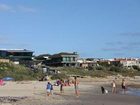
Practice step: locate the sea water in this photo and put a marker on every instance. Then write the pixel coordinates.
(133, 91)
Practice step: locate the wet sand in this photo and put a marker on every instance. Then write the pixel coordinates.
(89, 95)
(89, 99)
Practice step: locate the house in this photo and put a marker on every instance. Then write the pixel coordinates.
(138, 62)
(22, 56)
(4, 60)
(63, 59)
(126, 62)
(86, 63)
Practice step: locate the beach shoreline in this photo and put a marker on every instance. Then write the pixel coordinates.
(35, 93)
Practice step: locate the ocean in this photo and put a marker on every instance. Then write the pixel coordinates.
(133, 91)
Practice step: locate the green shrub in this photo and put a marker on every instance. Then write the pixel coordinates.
(136, 67)
(100, 68)
(18, 72)
(115, 68)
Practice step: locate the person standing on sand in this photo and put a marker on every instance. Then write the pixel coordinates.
(48, 88)
(123, 85)
(61, 86)
(113, 87)
(76, 86)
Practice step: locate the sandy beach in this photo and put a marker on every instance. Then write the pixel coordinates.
(34, 93)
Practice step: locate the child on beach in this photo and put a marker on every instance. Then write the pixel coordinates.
(48, 88)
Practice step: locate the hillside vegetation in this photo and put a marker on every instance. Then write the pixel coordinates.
(99, 71)
(20, 72)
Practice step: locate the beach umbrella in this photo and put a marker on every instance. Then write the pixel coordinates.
(8, 79)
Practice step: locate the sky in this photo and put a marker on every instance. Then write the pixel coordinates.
(93, 28)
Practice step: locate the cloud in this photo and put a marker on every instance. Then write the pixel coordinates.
(5, 7)
(18, 8)
(115, 43)
(134, 44)
(12, 44)
(26, 9)
(119, 46)
(131, 34)
(119, 54)
(111, 49)
(131, 46)
(3, 39)
(8, 42)
(122, 46)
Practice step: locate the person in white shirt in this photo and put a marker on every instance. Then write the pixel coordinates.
(113, 87)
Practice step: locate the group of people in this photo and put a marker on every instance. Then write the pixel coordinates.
(114, 86)
(49, 86)
(123, 85)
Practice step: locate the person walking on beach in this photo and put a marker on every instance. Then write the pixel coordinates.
(48, 88)
(76, 86)
(113, 87)
(123, 85)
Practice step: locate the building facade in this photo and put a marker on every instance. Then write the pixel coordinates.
(126, 62)
(17, 55)
(63, 59)
(86, 63)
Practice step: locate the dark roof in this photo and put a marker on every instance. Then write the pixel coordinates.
(66, 53)
(17, 50)
(44, 55)
(63, 53)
